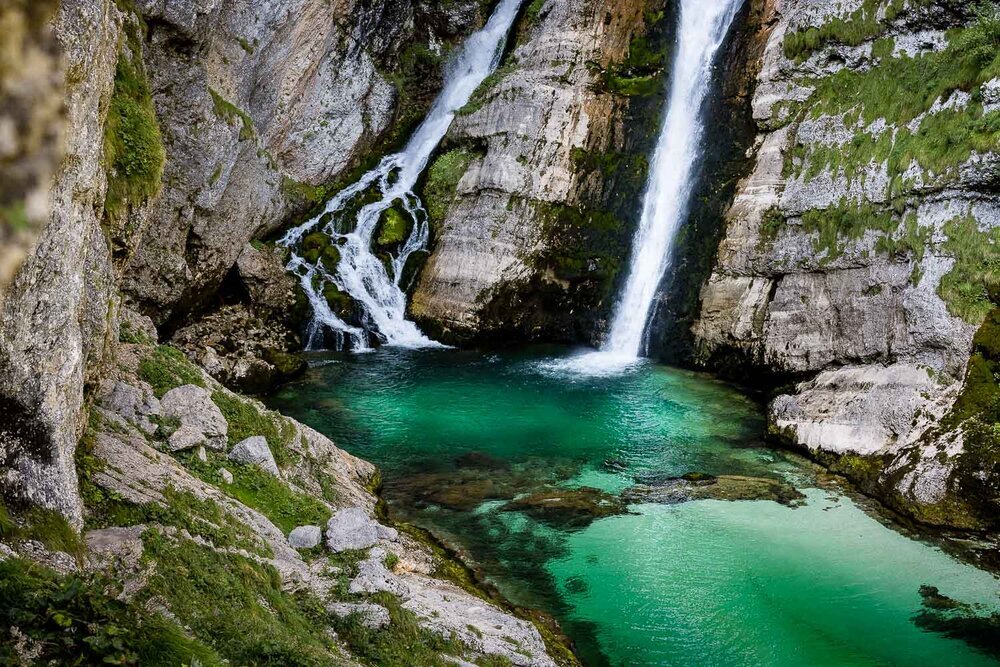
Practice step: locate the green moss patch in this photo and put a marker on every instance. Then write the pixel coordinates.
(133, 147)
(976, 271)
(76, 620)
(319, 245)
(393, 229)
(865, 23)
(43, 525)
(402, 643)
(442, 180)
(167, 368)
(233, 115)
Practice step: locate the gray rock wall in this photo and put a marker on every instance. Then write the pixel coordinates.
(841, 242)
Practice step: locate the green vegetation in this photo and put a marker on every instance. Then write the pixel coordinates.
(442, 180)
(417, 79)
(246, 420)
(771, 224)
(166, 368)
(641, 72)
(76, 620)
(393, 229)
(401, 644)
(237, 604)
(262, 491)
(976, 271)
(483, 93)
(182, 510)
(319, 245)
(900, 89)
(835, 225)
(863, 24)
(232, 114)
(133, 147)
(43, 525)
(912, 242)
(977, 413)
(585, 244)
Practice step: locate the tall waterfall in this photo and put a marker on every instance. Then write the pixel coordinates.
(703, 28)
(359, 272)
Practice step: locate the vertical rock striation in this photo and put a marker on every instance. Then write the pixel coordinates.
(526, 239)
(857, 249)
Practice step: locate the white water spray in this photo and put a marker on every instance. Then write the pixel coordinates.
(704, 25)
(359, 272)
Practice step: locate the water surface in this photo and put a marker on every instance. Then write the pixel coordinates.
(707, 582)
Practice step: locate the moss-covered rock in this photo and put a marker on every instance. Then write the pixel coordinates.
(319, 245)
(340, 302)
(393, 228)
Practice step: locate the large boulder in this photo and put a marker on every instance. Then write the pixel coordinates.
(305, 537)
(201, 420)
(254, 451)
(352, 528)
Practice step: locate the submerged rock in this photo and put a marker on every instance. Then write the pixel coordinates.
(254, 451)
(353, 528)
(700, 486)
(574, 508)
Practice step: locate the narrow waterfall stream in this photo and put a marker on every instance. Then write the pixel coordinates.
(351, 267)
(702, 31)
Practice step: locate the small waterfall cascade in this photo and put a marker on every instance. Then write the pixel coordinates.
(351, 218)
(702, 31)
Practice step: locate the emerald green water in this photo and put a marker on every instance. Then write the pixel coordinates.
(707, 582)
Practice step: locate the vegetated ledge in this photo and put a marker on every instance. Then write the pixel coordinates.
(186, 554)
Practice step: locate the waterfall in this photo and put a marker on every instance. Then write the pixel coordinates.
(703, 28)
(372, 283)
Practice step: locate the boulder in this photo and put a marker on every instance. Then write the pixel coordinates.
(194, 408)
(254, 451)
(353, 528)
(305, 537)
(227, 477)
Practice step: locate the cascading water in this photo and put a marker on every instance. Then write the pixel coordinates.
(703, 28)
(359, 272)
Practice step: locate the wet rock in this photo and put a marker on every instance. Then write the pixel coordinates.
(199, 417)
(614, 465)
(573, 508)
(699, 486)
(353, 528)
(305, 537)
(254, 451)
(373, 616)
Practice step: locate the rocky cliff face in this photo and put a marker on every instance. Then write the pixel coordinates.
(858, 251)
(525, 195)
(192, 128)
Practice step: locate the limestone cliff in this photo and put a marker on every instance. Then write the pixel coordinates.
(527, 196)
(859, 249)
(192, 128)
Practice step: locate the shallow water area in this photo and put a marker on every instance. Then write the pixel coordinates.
(521, 461)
